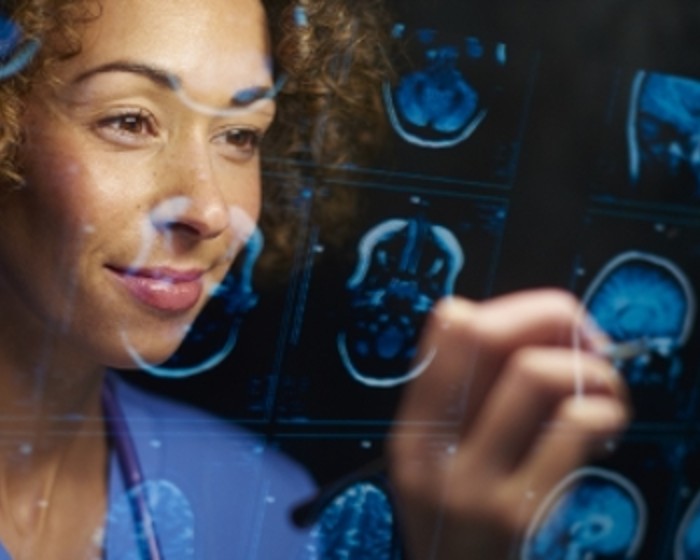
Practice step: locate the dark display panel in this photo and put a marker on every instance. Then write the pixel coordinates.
(534, 144)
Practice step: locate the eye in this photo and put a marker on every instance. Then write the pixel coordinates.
(129, 126)
(240, 143)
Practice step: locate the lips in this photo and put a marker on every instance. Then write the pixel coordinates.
(164, 289)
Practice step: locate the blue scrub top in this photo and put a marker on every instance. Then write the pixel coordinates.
(216, 492)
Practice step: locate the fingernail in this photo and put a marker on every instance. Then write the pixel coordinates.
(593, 338)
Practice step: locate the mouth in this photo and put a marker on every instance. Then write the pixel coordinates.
(162, 288)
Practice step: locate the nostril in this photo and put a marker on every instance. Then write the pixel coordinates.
(181, 227)
(170, 211)
(198, 217)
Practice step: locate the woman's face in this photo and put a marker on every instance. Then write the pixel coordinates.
(142, 174)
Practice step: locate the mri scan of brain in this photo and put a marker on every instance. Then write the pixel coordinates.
(404, 266)
(643, 296)
(687, 542)
(357, 525)
(592, 514)
(664, 131)
(435, 104)
(15, 52)
(170, 511)
(214, 334)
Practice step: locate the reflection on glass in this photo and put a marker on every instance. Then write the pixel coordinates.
(594, 513)
(171, 513)
(643, 296)
(687, 546)
(435, 104)
(357, 525)
(404, 266)
(664, 131)
(15, 54)
(214, 334)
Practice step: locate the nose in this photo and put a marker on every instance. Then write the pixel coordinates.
(191, 202)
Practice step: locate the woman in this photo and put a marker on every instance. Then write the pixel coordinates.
(131, 155)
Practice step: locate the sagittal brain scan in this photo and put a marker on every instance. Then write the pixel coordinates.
(404, 266)
(437, 104)
(643, 296)
(687, 542)
(664, 133)
(592, 514)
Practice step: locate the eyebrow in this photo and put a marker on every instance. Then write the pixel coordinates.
(165, 79)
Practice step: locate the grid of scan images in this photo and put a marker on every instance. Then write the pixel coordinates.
(493, 152)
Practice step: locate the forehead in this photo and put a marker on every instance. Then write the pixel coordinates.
(205, 43)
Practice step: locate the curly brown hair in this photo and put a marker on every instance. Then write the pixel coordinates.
(331, 55)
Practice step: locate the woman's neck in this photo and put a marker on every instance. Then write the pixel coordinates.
(53, 452)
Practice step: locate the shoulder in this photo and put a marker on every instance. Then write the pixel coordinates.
(187, 436)
(239, 487)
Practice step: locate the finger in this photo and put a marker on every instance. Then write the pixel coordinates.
(528, 395)
(469, 343)
(582, 428)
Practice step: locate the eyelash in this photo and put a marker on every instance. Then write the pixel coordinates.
(130, 126)
(122, 124)
(245, 142)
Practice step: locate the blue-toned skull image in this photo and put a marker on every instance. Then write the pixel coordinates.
(592, 514)
(435, 105)
(214, 334)
(357, 525)
(404, 266)
(687, 544)
(15, 54)
(664, 132)
(170, 511)
(642, 296)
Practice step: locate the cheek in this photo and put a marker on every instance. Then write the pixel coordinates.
(245, 192)
(242, 227)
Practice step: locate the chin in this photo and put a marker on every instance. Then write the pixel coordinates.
(136, 352)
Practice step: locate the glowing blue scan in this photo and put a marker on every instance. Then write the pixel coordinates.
(171, 513)
(214, 334)
(643, 296)
(15, 53)
(436, 105)
(357, 525)
(593, 513)
(404, 266)
(663, 130)
(687, 542)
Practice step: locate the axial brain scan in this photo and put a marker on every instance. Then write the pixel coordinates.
(687, 546)
(592, 514)
(435, 104)
(214, 334)
(171, 511)
(15, 53)
(404, 266)
(357, 524)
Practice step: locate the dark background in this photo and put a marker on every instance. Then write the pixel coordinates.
(536, 196)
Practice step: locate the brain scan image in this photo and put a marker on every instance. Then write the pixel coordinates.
(170, 511)
(687, 542)
(593, 514)
(643, 296)
(404, 266)
(214, 334)
(663, 133)
(357, 525)
(15, 53)
(435, 104)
